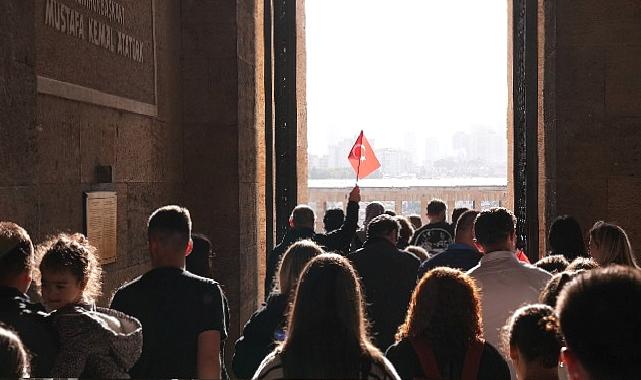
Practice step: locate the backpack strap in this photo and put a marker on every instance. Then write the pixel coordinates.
(473, 360)
(423, 350)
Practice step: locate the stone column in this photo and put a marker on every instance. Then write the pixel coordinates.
(223, 119)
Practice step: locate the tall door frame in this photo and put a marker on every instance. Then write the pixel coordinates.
(525, 127)
(281, 115)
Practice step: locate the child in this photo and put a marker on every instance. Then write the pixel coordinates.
(13, 356)
(94, 341)
(532, 339)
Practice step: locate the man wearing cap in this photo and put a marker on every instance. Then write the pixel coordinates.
(16, 309)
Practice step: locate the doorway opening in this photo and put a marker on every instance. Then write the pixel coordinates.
(436, 133)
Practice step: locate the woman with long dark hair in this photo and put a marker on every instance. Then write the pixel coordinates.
(566, 238)
(326, 333)
(442, 337)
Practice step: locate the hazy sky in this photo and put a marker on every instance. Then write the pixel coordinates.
(403, 67)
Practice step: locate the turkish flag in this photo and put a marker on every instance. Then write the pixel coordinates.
(362, 158)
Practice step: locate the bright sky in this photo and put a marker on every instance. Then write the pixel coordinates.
(405, 67)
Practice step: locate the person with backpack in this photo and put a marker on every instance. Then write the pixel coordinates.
(442, 337)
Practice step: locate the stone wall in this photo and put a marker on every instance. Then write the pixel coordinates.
(73, 137)
(223, 125)
(190, 133)
(592, 111)
(18, 148)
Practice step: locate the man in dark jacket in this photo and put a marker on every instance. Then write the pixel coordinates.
(461, 254)
(388, 278)
(16, 309)
(302, 222)
(437, 235)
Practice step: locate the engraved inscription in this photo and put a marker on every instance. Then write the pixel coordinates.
(67, 20)
(101, 217)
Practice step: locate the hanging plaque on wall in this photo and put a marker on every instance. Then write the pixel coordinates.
(100, 223)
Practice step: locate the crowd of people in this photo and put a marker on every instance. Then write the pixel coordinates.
(167, 323)
(391, 299)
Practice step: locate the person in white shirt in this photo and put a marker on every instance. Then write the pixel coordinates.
(506, 283)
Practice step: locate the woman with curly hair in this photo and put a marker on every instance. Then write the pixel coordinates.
(94, 341)
(326, 334)
(532, 338)
(442, 337)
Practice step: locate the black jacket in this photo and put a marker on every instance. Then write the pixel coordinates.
(434, 237)
(457, 256)
(33, 326)
(336, 241)
(260, 333)
(389, 277)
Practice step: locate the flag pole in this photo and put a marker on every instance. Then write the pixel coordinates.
(360, 158)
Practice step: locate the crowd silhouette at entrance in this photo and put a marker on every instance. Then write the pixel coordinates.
(386, 300)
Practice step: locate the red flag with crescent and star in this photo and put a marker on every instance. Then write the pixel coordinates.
(362, 158)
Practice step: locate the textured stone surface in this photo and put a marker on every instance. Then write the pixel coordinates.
(79, 61)
(204, 149)
(623, 200)
(17, 94)
(592, 56)
(223, 123)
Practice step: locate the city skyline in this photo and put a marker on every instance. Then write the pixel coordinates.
(435, 75)
(476, 153)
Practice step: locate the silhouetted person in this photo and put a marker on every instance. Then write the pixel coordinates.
(388, 276)
(265, 330)
(372, 210)
(442, 336)
(550, 293)
(199, 260)
(462, 254)
(566, 238)
(609, 244)
(553, 264)
(301, 224)
(456, 213)
(184, 316)
(326, 334)
(416, 221)
(437, 235)
(405, 233)
(418, 252)
(16, 309)
(599, 313)
(14, 361)
(333, 219)
(533, 341)
(505, 282)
